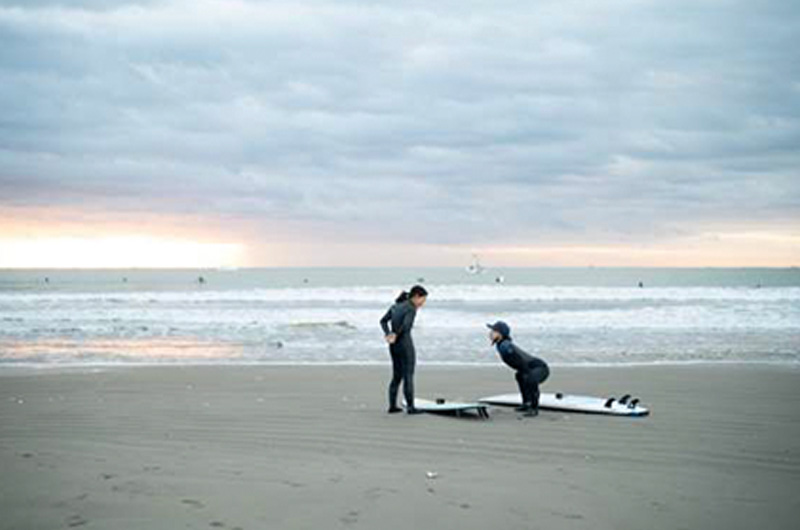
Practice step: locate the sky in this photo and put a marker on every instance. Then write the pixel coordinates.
(337, 132)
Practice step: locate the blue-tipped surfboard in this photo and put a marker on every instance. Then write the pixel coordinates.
(624, 406)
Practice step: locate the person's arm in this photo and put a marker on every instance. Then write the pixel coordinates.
(385, 322)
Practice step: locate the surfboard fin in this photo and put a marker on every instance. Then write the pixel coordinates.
(624, 399)
(609, 402)
(632, 404)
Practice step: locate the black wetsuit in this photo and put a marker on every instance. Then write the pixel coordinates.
(399, 319)
(531, 371)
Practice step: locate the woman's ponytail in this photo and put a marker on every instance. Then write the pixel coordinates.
(417, 290)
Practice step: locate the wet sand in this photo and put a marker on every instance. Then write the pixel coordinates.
(292, 447)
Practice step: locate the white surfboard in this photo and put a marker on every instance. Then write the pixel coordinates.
(624, 406)
(451, 407)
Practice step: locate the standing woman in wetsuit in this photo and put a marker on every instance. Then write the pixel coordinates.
(396, 325)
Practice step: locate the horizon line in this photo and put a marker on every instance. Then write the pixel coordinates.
(406, 267)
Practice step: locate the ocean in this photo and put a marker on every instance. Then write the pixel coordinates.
(330, 315)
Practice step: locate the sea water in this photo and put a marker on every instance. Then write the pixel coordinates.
(330, 315)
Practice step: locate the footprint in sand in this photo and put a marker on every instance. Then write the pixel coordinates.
(570, 516)
(350, 518)
(376, 493)
(76, 520)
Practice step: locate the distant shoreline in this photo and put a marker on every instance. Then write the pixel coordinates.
(77, 366)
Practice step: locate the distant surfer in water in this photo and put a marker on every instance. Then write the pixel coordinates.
(531, 371)
(396, 325)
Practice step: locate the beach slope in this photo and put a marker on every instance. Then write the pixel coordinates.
(311, 447)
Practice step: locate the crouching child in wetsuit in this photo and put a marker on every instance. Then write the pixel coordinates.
(531, 371)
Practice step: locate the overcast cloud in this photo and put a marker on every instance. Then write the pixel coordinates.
(437, 122)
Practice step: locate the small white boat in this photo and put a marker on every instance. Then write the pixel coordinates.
(475, 267)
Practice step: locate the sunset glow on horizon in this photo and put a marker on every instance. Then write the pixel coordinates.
(147, 251)
(116, 252)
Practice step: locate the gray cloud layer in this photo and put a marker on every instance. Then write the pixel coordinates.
(441, 122)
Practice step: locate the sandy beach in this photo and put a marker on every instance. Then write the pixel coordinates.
(311, 447)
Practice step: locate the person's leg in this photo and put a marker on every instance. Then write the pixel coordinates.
(523, 387)
(522, 377)
(409, 364)
(536, 377)
(530, 393)
(397, 376)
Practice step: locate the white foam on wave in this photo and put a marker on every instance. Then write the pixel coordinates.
(444, 293)
(340, 325)
(98, 366)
